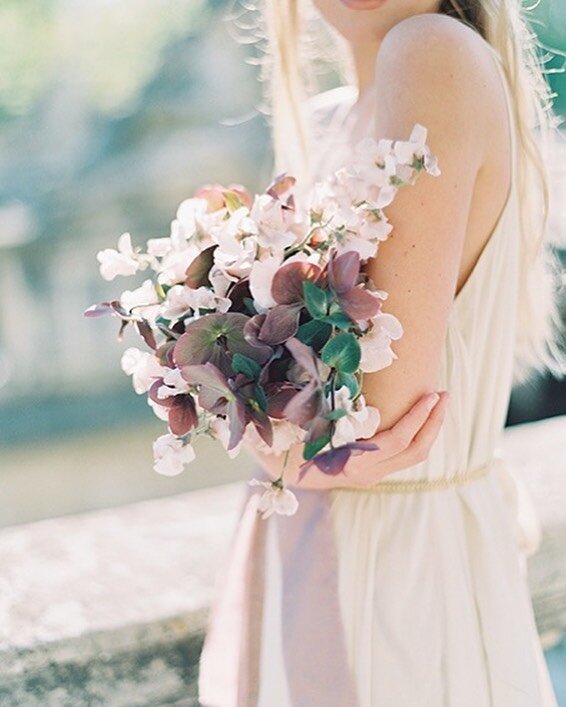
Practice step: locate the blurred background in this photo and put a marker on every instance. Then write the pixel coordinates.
(111, 113)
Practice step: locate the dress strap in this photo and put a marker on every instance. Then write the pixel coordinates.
(510, 107)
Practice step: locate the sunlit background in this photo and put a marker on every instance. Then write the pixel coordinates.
(111, 113)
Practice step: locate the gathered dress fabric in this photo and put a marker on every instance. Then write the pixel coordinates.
(408, 597)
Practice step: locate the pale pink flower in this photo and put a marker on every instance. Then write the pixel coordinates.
(360, 421)
(275, 499)
(171, 454)
(123, 261)
(142, 366)
(376, 342)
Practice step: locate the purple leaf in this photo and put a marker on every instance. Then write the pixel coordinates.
(197, 272)
(280, 324)
(152, 393)
(359, 304)
(146, 333)
(182, 415)
(99, 310)
(123, 324)
(207, 374)
(278, 395)
(237, 420)
(262, 424)
(343, 271)
(165, 354)
(305, 405)
(333, 461)
(213, 337)
(304, 356)
(287, 284)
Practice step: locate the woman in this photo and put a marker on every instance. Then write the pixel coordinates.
(403, 584)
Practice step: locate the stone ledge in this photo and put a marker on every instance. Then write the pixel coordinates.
(109, 607)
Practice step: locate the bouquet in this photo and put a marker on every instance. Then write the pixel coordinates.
(258, 320)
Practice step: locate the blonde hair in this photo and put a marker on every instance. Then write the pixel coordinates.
(501, 24)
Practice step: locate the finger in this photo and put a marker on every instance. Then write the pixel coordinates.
(428, 433)
(398, 437)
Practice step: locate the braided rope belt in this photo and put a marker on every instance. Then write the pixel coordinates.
(409, 486)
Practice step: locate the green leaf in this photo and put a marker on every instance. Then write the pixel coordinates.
(261, 397)
(343, 353)
(249, 305)
(314, 333)
(335, 414)
(312, 448)
(348, 380)
(315, 299)
(337, 317)
(243, 364)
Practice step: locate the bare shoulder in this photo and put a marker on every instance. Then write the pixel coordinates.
(445, 36)
(435, 70)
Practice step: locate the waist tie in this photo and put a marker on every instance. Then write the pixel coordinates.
(316, 660)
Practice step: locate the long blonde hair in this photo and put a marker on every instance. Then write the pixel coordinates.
(502, 24)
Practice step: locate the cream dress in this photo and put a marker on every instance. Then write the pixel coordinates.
(432, 587)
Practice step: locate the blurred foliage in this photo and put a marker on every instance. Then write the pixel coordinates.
(548, 20)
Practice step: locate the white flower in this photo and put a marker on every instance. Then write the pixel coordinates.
(175, 262)
(144, 300)
(181, 299)
(161, 412)
(143, 367)
(173, 384)
(123, 261)
(274, 222)
(275, 499)
(158, 247)
(406, 151)
(261, 279)
(221, 430)
(194, 222)
(237, 244)
(360, 420)
(376, 343)
(170, 455)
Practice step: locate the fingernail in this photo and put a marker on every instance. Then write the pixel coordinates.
(434, 398)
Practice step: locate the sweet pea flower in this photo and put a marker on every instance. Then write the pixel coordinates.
(143, 301)
(142, 366)
(124, 261)
(173, 384)
(406, 151)
(261, 278)
(170, 455)
(175, 262)
(360, 420)
(274, 222)
(181, 300)
(161, 412)
(275, 499)
(220, 427)
(376, 342)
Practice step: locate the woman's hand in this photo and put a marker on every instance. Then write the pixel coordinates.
(405, 444)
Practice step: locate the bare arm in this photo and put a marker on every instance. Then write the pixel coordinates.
(426, 73)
